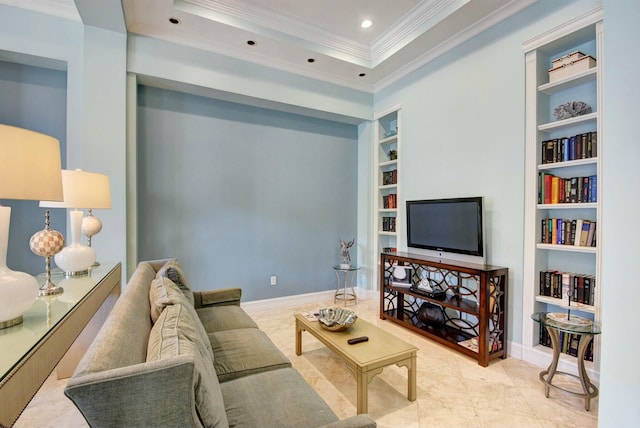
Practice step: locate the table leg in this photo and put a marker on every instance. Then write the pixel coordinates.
(551, 371)
(298, 338)
(362, 384)
(411, 379)
(589, 389)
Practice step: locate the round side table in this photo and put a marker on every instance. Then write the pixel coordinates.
(344, 294)
(586, 329)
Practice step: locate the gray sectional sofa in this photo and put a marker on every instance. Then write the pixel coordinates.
(167, 356)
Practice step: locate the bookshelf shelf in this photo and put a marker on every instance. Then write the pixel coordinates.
(569, 82)
(388, 163)
(562, 304)
(388, 187)
(389, 140)
(584, 34)
(568, 164)
(569, 248)
(582, 205)
(567, 123)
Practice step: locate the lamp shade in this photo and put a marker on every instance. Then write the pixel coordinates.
(82, 190)
(29, 165)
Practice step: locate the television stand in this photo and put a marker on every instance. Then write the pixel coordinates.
(474, 308)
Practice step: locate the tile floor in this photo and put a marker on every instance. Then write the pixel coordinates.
(453, 390)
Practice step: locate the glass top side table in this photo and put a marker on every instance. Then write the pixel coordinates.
(556, 322)
(343, 294)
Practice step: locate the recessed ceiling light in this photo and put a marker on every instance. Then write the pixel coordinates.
(311, 60)
(251, 42)
(366, 23)
(173, 20)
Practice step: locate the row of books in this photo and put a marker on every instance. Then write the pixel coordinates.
(568, 343)
(389, 224)
(556, 284)
(559, 190)
(581, 146)
(389, 249)
(577, 232)
(389, 177)
(390, 201)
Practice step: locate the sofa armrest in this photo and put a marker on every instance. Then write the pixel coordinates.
(220, 297)
(358, 421)
(139, 395)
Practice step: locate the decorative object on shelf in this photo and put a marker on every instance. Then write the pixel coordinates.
(30, 170)
(47, 243)
(431, 314)
(390, 133)
(91, 225)
(336, 319)
(79, 192)
(571, 109)
(393, 154)
(345, 258)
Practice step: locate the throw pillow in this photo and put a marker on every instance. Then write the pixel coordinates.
(174, 334)
(175, 272)
(163, 292)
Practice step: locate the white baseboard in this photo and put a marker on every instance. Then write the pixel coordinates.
(300, 299)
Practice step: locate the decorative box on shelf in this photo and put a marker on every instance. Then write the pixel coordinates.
(568, 65)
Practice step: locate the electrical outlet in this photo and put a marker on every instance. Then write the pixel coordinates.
(273, 280)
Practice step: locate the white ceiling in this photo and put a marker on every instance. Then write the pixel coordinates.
(405, 33)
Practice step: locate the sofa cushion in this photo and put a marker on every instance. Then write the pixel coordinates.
(244, 351)
(175, 333)
(277, 398)
(175, 272)
(163, 292)
(220, 318)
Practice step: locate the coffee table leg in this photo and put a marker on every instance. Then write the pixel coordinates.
(298, 338)
(362, 385)
(411, 379)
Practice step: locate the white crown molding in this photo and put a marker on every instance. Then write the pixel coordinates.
(280, 27)
(489, 21)
(572, 26)
(411, 26)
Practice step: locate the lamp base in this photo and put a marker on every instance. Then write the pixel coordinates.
(49, 289)
(10, 323)
(77, 274)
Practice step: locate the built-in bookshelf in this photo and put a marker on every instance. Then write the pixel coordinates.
(387, 205)
(562, 260)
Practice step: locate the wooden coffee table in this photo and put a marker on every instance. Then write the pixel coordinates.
(366, 359)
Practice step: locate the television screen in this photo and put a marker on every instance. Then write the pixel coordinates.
(449, 225)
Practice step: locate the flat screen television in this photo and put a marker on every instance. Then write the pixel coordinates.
(450, 228)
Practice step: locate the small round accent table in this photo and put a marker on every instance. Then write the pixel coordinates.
(344, 294)
(586, 329)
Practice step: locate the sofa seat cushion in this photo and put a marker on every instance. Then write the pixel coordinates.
(277, 398)
(219, 318)
(174, 334)
(245, 351)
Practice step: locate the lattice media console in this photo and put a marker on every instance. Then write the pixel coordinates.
(474, 309)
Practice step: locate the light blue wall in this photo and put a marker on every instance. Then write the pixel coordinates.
(32, 98)
(95, 65)
(240, 193)
(463, 132)
(619, 374)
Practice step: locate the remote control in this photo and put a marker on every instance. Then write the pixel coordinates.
(357, 340)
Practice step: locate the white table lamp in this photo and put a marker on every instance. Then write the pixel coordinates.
(79, 192)
(29, 170)
(91, 225)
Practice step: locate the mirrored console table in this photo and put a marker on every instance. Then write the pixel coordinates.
(56, 332)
